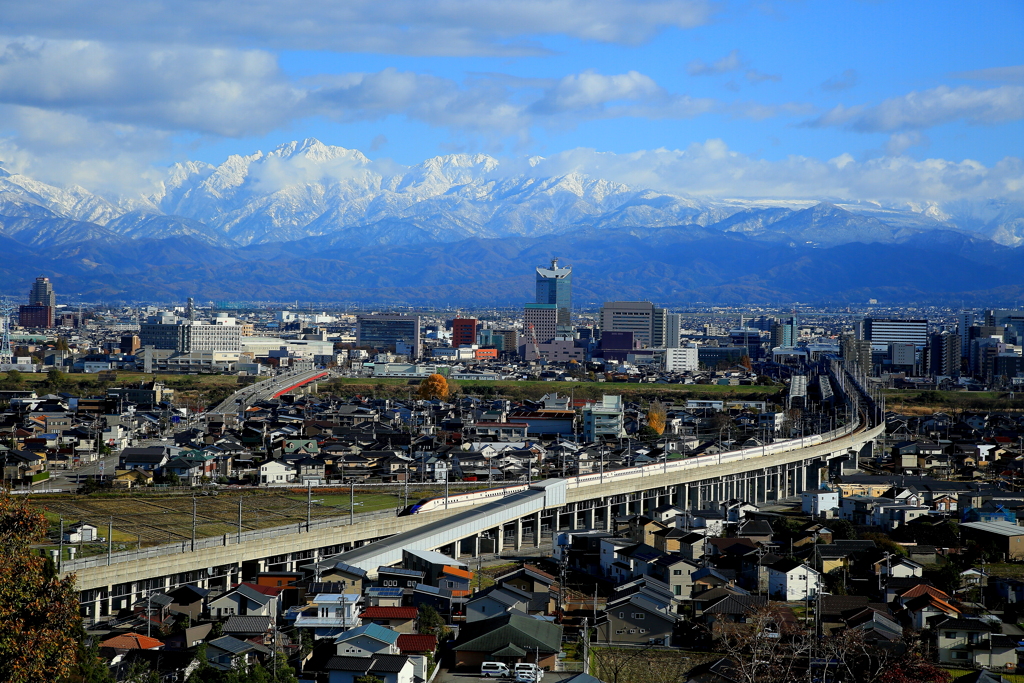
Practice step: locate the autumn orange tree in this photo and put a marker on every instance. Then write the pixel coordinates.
(435, 386)
(38, 610)
(657, 417)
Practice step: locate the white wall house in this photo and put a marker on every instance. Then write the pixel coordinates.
(817, 503)
(789, 580)
(276, 472)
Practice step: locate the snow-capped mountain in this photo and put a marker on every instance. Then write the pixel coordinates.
(307, 189)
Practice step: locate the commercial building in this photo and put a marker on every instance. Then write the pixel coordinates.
(390, 331)
(554, 286)
(673, 328)
(540, 323)
(682, 359)
(889, 331)
(42, 293)
(1012, 320)
(168, 332)
(647, 322)
(36, 316)
(785, 332)
(464, 332)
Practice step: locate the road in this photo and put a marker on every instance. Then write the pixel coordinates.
(260, 391)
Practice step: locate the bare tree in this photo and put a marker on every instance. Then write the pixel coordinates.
(765, 649)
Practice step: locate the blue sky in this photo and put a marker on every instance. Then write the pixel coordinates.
(899, 101)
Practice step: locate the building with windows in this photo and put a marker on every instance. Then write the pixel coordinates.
(682, 359)
(604, 420)
(647, 322)
(890, 331)
(42, 293)
(389, 331)
(540, 323)
(554, 286)
(1012, 320)
(785, 332)
(673, 326)
(944, 355)
(36, 316)
(464, 332)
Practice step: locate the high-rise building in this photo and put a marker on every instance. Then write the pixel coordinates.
(42, 294)
(554, 286)
(540, 323)
(785, 332)
(857, 351)
(964, 321)
(389, 330)
(889, 331)
(673, 325)
(166, 331)
(38, 315)
(464, 332)
(642, 318)
(1011, 319)
(944, 355)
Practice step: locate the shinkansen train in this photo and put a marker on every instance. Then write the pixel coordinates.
(639, 472)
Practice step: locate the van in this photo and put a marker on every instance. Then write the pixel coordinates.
(532, 671)
(494, 669)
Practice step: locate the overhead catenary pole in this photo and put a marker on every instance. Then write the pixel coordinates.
(193, 523)
(238, 538)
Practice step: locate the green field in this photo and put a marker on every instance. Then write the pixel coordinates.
(149, 518)
(394, 387)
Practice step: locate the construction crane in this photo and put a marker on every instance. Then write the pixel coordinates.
(533, 340)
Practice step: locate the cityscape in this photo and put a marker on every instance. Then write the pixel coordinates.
(585, 341)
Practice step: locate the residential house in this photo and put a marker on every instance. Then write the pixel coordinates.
(645, 617)
(510, 638)
(495, 600)
(386, 667)
(229, 653)
(792, 580)
(398, 619)
(367, 640)
(255, 628)
(244, 601)
(977, 642)
(276, 472)
(353, 579)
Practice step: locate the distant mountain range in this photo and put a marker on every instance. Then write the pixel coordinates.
(313, 222)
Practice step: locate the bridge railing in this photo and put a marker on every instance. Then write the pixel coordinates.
(218, 541)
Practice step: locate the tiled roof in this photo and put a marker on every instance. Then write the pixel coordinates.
(375, 631)
(411, 642)
(389, 613)
(132, 641)
(255, 625)
(455, 571)
(272, 591)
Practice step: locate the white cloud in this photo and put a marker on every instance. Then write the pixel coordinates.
(901, 142)
(1006, 74)
(215, 91)
(590, 90)
(843, 81)
(414, 27)
(730, 62)
(918, 110)
(712, 169)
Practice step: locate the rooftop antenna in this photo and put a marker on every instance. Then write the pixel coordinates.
(6, 353)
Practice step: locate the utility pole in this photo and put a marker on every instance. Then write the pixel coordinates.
(352, 502)
(60, 554)
(309, 503)
(239, 537)
(110, 539)
(193, 523)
